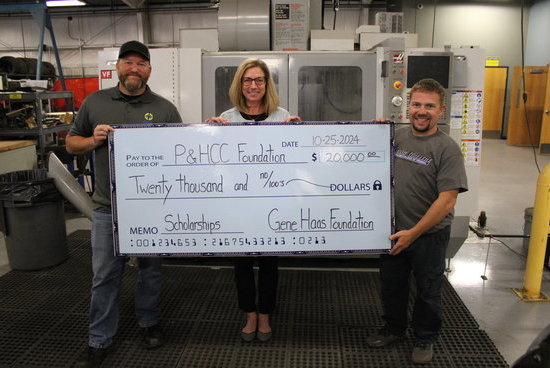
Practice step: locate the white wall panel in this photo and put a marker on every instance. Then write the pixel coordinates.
(537, 48)
(493, 28)
(80, 39)
(11, 35)
(167, 25)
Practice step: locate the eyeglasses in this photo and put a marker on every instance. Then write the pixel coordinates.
(260, 81)
(139, 64)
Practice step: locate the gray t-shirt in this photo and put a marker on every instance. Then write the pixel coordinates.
(424, 167)
(109, 106)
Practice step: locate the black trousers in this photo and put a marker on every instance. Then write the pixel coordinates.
(268, 276)
(425, 258)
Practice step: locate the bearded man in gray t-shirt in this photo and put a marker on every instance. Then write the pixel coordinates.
(429, 174)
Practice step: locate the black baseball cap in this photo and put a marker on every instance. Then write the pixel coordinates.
(135, 47)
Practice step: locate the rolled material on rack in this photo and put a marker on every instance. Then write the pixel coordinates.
(25, 68)
(69, 187)
(243, 25)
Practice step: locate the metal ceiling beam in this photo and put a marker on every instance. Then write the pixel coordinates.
(22, 7)
(134, 4)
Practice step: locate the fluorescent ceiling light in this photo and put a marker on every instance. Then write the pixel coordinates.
(52, 3)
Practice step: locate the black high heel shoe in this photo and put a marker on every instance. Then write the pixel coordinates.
(248, 336)
(264, 336)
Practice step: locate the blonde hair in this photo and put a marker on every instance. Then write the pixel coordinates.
(271, 97)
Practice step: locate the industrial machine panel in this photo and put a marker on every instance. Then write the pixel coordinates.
(333, 86)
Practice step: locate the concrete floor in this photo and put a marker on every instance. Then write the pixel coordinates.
(508, 184)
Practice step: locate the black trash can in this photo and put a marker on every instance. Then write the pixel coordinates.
(33, 220)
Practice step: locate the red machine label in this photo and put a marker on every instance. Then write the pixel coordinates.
(398, 58)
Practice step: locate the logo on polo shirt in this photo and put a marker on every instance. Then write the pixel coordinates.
(148, 116)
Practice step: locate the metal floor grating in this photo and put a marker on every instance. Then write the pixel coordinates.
(322, 320)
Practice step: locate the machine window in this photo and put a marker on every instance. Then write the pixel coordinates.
(330, 93)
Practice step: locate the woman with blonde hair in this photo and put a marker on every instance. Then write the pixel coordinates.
(255, 98)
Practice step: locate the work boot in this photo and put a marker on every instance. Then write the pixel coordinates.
(91, 358)
(383, 338)
(152, 337)
(423, 352)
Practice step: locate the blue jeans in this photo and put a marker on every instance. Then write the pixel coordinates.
(108, 271)
(425, 258)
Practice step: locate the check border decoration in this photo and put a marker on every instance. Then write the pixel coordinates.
(252, 189)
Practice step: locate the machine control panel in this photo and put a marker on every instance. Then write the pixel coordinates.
(397, 85)
(393, 83)
(397, 101)
(437, 65)
(400, 69)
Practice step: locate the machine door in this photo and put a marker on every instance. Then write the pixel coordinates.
(217, 74)
(332, 86)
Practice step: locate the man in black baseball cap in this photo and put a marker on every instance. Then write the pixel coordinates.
(133, 68)
(134, 47)
(131, 101)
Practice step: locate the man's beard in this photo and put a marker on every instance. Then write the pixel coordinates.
(421, 130)
(418, 129)
(133, 85)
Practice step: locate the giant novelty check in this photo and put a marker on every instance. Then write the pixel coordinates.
(252, 189)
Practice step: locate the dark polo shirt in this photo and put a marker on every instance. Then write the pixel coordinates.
(109, 106)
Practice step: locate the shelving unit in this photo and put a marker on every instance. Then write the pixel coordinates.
(40, 132)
